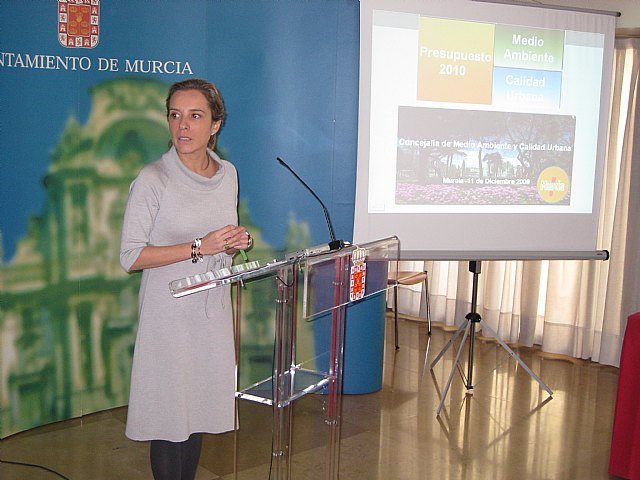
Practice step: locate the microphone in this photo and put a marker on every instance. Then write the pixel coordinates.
(333, 244)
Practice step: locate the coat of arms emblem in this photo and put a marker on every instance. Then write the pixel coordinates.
(78, 23)
(358, 282)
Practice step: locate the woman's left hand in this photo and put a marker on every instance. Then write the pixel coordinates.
(239, 239)
(229, 239)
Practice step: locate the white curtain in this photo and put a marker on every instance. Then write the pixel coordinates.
(577, 308)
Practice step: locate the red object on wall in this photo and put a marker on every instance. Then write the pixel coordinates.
(624, 460)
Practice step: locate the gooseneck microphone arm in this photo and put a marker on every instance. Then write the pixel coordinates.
(334, 244)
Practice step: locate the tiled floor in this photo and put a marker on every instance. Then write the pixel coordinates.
(509, 428)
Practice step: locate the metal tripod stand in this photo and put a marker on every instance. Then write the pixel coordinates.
(469, 329)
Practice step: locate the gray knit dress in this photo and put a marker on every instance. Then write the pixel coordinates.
(183, 377)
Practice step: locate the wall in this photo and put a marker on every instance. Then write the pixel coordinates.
(629, 9)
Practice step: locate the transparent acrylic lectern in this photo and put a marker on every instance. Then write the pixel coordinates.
(313, 285)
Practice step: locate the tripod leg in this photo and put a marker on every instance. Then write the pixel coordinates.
(453, 367)
(449, 343)
(515, 356)
(426, 296)
(395, 314)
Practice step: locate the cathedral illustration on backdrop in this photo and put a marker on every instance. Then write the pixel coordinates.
(68, 312)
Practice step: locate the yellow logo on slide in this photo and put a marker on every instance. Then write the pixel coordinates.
(553, 184)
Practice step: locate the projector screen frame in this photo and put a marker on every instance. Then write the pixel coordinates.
(472, 224)
(452, 255)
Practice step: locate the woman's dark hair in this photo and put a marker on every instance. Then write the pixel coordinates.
(210, 92)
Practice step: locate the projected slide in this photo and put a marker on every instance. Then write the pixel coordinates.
(480, 116)
(474, 157)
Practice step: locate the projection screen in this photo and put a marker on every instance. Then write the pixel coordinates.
(482, 129)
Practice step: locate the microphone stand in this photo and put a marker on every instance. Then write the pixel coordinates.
(333, 244)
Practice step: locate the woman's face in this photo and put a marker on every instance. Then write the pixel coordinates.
(190, 122)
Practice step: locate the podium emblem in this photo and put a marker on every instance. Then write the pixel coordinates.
(358, 276)
(78, 23)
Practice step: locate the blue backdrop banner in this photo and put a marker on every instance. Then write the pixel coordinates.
(83, 87)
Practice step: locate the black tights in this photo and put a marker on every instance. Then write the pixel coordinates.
(175, 460)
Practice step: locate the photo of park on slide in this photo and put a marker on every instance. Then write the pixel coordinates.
(473, 157)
